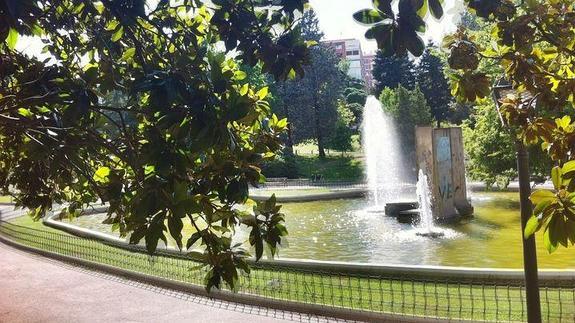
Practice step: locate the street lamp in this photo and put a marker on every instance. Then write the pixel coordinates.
(501, 90)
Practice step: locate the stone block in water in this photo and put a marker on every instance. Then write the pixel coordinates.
(393, 209)
(408, 216)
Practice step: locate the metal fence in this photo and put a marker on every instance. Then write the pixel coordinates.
(303, 183)
(407, 291)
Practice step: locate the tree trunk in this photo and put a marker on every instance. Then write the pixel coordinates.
(318, 132)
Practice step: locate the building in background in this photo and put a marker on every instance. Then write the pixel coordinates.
(360, 65)
(367, 65)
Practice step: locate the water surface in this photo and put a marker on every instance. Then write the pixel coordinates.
(342, 230)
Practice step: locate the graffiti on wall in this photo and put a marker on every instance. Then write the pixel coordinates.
(443, 160)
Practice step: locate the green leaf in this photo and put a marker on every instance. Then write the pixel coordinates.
(547, 242)
(25, 112)
(137, 235)
(263, 93)
(556, 176)
(368, 16)
(102, 174)
(244, 89)
(568, 169)
(99, 6)
(193, 239)
(415, 45)
(540, 196)
(12, 38)
(149, 170)
(175, 225)
(259, 244)
(383, 6)
(129, 53)
(111, 25)
(563, 122)
(118, 34)
(557, 234)
(539, 208)
(436, 8)
(422, 12)
(531, 227)
(151, 239)
(240, 75)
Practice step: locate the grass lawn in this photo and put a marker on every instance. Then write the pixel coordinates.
(381, 294)
(5, 199)
(346, 168)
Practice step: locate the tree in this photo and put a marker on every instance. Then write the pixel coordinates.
(490, 148)
(199, 134)
(526, 40)
(392, 71)
(433, 84)
(409, 109)
(341, 138)
(460, 112)
(311, 103)
(355, 98)
(309, 25)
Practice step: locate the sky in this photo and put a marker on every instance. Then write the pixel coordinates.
(336, 21)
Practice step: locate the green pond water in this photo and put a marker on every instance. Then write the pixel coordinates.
(342, 230)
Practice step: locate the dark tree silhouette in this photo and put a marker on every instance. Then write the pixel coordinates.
(433, 84)
(391, 71)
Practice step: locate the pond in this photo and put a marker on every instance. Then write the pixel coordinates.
(341, 230)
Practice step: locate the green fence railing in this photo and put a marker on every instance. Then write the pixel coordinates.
(407, 291)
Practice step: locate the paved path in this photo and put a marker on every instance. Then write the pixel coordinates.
(37, 289)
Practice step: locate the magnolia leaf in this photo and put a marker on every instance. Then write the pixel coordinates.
(531, 227)
(240, 75)
(368, 16)
(118, 34)
(101, 175)
(263, 93)
(415, 45)
(149, 169)
(111, 25)
(436, 8)
(568, 169)
(563, 122)
(540, 208)
(175, 226)
(541, 196)
(25, 112)
(129, 53)
(422, 12)
(556, 176)
(383, 6)
(12, 38)
(244, 89)
(551, 247)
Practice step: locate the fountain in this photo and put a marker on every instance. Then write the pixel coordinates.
(385, 167)
(427, 227)
(440, 153)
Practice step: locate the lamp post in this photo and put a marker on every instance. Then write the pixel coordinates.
(500, 91)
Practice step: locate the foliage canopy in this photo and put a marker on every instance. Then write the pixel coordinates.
(182, 145)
